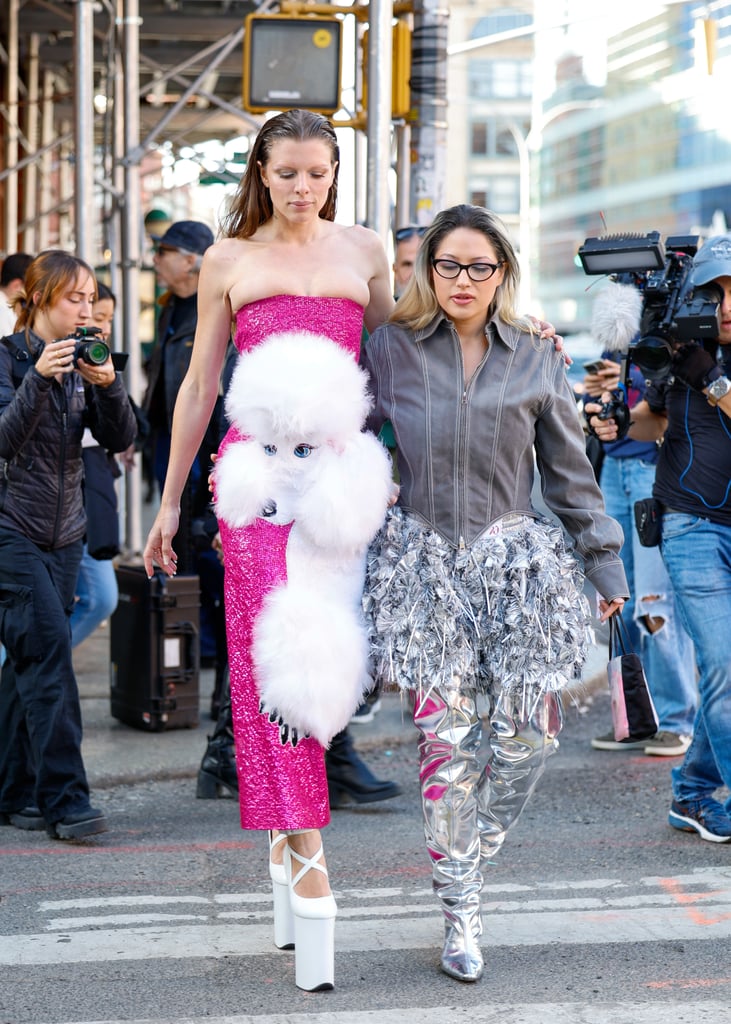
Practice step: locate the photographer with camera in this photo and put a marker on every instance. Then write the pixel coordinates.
(627, 475)
(48, 393)
(692, 408)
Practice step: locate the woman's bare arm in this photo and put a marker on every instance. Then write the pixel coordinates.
(193, 406)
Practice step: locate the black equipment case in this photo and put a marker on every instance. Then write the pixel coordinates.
(155, 660)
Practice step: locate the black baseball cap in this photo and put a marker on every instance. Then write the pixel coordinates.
(191, 235)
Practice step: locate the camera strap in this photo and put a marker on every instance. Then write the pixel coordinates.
(22, 360)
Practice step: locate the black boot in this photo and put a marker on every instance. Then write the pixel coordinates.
(221, 668)
(217, 773)
(348, 776)
(222, 683)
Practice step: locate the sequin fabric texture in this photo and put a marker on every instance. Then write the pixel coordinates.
(280, 786)
(507, 612)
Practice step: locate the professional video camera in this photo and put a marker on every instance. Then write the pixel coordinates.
(673, 313)
(89, 346)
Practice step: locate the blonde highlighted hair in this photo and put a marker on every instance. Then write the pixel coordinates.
(418, 306)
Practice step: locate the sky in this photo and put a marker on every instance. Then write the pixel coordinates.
(592, 22)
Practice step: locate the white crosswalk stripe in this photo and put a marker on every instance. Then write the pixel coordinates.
(709, 1012)
(696, 906)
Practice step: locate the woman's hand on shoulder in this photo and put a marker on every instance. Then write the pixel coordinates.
(548, 332)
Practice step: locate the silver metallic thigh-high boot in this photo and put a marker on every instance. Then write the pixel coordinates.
(449, 770)
(523, 735)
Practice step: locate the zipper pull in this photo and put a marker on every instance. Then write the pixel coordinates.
(462, 545)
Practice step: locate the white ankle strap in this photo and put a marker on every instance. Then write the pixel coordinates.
(308, 863)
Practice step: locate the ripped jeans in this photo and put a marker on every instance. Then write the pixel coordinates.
(667, 655)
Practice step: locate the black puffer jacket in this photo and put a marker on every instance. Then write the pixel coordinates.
(41, 424)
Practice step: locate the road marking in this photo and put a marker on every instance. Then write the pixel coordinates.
(681, 1012)
(695, 907)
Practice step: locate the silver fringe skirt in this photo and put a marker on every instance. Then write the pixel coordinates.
(507, 613)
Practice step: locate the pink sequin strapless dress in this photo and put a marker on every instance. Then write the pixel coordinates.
(280, 787)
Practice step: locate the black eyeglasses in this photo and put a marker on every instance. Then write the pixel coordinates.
(450, 269)
(408, 232)
(160, 250)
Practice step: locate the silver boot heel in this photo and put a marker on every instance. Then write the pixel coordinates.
(461, 955)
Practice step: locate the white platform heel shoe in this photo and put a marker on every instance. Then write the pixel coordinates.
(283, 917)
(314, 926)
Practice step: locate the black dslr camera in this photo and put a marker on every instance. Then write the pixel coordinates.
(673, 313)
(89, 346)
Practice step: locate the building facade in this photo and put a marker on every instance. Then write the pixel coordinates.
(650, 150)
(490, 95)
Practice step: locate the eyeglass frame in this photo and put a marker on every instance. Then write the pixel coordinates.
(494, 267)
(407, 232)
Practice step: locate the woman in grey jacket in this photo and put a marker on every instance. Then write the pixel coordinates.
(470, 592)
(48, 394)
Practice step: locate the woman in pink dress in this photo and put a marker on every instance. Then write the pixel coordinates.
(282, 264)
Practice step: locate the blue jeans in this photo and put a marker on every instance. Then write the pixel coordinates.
(697, 554)
(667, 655)
(96, 596)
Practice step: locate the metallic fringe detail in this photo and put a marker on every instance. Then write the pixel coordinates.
(507, 613)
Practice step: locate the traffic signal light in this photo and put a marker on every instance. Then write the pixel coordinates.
(292, 62)
(400, 69)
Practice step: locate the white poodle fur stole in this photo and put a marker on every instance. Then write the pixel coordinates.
(301, 402)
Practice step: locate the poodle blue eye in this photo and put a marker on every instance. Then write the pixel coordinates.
(303, 450)
(270, 449)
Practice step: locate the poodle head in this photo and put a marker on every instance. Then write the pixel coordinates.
(297, 392)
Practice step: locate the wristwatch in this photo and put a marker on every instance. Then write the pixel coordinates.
(717, 389)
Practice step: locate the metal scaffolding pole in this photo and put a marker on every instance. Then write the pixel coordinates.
(429, 99)
(43, 233)
(380, 51)
(84, 129)
(402, 214)
(30, 193)
(11, 144)
(131, 223)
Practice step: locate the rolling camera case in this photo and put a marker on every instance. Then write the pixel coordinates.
(154, 650)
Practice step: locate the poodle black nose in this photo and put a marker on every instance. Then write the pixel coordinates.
(270, 509)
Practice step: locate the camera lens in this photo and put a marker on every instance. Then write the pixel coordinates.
(94, 352)
(653, 356)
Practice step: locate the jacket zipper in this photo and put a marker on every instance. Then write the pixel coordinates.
(462, 434)
(62, 463)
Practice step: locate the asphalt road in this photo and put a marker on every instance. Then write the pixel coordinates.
(595, 911)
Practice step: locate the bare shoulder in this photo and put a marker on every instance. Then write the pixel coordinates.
(365, 237)
(224, 262)
(226, 251)
(367, 248)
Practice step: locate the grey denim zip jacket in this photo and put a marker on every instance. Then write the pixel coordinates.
(466, 450)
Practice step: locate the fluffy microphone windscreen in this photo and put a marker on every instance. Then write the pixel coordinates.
(615, 318)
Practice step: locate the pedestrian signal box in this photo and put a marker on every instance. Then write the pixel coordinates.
(292, 62)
